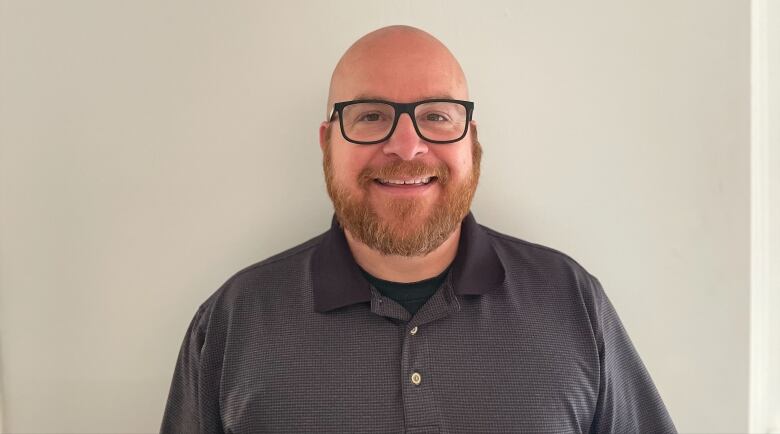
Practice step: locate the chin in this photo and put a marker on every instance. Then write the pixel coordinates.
(404, 212)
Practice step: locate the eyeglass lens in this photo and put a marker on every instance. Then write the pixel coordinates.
(438, 121)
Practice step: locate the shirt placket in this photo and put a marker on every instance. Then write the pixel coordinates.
(418, 378)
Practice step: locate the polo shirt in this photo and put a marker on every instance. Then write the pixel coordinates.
(412, 296)
(518, 338)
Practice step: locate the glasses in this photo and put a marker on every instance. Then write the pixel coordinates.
(370, 121)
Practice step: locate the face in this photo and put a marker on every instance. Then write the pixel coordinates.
(365, 181)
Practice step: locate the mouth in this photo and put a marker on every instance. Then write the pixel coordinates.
(406, 183)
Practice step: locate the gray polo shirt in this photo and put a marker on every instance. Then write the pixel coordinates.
(519, 338)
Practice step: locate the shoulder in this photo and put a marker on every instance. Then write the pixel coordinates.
(552, 272)
(292, 260)
(282, 270)
(520, 255)
(550, 277)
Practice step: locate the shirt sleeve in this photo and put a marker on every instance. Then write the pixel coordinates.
(193, 405)
(628, 400)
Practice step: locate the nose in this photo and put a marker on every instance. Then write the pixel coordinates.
(405, 143)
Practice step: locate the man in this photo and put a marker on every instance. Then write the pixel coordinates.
(408, 316)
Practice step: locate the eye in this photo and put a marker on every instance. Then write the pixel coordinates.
(369, 117)
(435, 117)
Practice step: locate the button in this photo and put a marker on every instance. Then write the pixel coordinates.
(413, 331)
(416, 378)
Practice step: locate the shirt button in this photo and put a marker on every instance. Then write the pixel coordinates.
(413, 331)
(416, 378)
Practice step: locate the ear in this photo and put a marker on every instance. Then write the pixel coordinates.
(323, 133)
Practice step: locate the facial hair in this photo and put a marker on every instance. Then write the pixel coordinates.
(406, 230)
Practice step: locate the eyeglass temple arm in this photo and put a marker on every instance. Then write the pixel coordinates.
(332, 114)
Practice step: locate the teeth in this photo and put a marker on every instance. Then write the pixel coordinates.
(421, 181)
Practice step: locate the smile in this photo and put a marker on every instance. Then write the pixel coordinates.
(418, 181)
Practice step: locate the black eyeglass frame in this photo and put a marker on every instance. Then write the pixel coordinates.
(399, 109)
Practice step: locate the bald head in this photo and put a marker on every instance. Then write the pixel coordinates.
(397, 63)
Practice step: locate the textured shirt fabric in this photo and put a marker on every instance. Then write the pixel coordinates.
(412, 296)
(519, 338)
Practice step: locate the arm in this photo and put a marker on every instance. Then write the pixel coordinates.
(628, 401)
(193, 406)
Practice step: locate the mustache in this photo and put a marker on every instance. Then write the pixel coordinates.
(405, 169)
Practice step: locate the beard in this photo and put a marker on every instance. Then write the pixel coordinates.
(410, 226)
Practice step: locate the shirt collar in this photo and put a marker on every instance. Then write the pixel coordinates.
(338, 282)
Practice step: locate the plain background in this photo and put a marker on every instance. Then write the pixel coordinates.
(151, 149)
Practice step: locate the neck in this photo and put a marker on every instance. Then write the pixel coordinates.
(404, 268)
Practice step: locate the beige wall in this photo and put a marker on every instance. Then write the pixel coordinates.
(150, 149)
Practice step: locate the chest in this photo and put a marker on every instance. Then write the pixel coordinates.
(361, 372)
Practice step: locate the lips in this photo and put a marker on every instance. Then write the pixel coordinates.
(399, 174)
(404, 182)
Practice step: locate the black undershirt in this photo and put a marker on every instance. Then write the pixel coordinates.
(412, 296)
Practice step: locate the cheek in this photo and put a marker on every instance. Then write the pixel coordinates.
(460, 164)
(466, 162)
(348, 162)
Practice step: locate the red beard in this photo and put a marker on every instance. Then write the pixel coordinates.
(394, 235)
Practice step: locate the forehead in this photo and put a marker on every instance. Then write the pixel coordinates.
(401, 69)
(405, 85)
